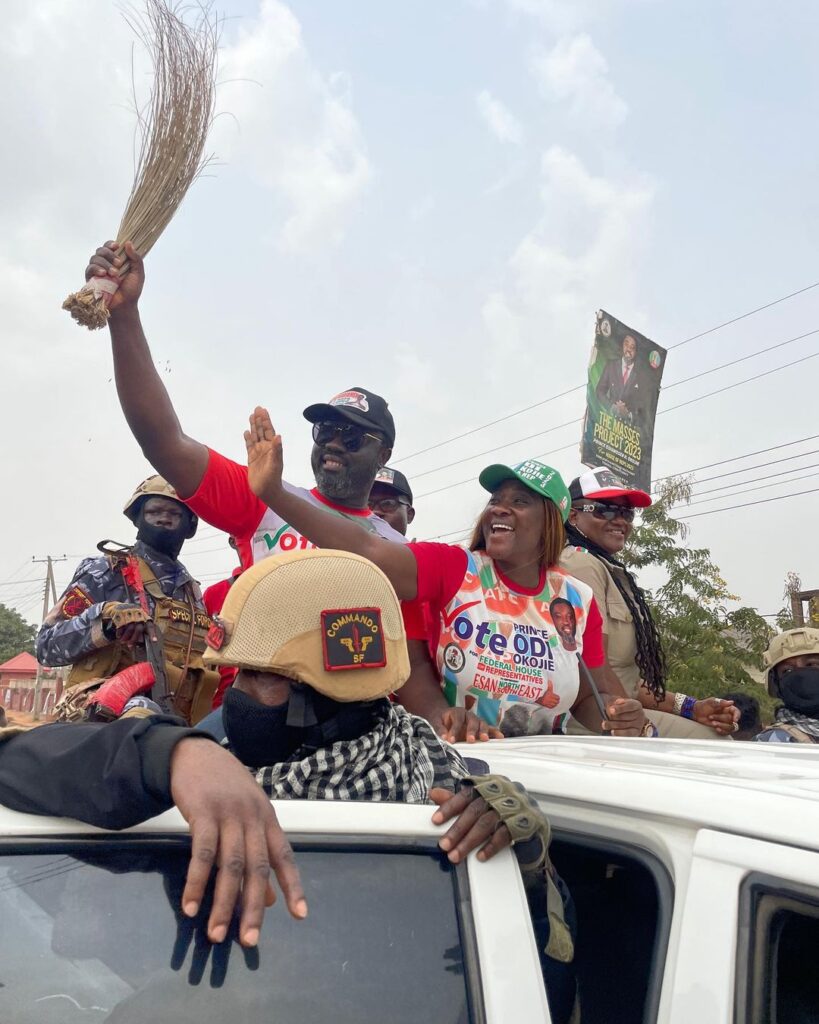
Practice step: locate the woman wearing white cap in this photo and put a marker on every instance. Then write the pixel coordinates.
(600, 522)
(506, 643)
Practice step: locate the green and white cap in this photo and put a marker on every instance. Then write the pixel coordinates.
(537, 476)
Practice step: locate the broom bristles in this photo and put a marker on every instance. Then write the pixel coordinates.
(174, 130)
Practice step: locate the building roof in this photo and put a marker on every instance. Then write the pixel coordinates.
(24, 663)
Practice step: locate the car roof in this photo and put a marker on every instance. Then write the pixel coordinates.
(768, 790)
(765, 790)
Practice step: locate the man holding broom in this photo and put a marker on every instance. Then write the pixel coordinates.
(353, 437)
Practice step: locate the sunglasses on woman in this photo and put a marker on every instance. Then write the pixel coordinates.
(350, 435)
(602, 510)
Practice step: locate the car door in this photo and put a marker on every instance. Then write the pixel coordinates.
(747, 903)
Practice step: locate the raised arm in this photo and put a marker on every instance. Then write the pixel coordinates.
(142, 395)
(327, 530)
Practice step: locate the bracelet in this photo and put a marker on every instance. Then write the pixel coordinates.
(680, 704)
(687, 710)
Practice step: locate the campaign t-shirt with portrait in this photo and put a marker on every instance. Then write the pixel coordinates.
(507, 652)
(224, 499)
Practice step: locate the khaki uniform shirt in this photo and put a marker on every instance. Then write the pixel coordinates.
(621, 642)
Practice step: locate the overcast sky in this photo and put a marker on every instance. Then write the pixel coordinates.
(429, 199)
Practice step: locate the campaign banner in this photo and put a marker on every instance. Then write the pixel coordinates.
(623, 388)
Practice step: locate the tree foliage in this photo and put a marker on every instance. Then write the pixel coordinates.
(709, 648)
(16, 635)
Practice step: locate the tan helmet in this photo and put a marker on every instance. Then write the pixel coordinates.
(789, 644)
(156, 486)
(325, 618)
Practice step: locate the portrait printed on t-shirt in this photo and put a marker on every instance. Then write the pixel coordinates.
(565, 622)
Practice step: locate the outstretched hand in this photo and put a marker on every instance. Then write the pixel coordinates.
(265, 460)
(234, 828)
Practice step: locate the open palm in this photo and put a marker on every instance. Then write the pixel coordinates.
(264, 455)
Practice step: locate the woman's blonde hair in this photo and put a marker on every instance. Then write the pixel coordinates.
(552, 542)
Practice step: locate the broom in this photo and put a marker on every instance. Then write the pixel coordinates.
(174, 128)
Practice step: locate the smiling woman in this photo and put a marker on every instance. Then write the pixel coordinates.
(507, 626)
(600, 523)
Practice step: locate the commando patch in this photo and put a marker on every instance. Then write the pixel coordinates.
(352, 638)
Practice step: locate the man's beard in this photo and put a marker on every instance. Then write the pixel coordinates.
(351, 481)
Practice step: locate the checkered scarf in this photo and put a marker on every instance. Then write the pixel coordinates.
(807, 725)
(400, 759)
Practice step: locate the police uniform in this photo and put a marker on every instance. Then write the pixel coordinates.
(124, 584)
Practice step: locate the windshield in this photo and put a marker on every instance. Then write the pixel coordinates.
(93, 933)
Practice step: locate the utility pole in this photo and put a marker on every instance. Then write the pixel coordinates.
(49, 585)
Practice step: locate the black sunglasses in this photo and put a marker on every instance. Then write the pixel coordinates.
(387, 504)
(602, 510)
(350, 435)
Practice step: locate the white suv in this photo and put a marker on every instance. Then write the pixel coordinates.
(694, 868)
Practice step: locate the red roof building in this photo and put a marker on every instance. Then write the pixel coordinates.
(17, 678)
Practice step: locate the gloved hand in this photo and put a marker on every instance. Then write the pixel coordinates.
(108, 702)
(123, 622)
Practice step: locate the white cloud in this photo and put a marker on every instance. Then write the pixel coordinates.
(584, 251)
(500, 120)
(297, 133)
(575, 71)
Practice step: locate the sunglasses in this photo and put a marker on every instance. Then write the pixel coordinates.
(387, 504)
(602, 510)
(350, 435)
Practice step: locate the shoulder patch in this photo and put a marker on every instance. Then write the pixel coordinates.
(75, 602)
(352, 638)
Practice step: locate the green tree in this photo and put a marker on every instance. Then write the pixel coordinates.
(709, 649)
(784, 617)
(16, 635)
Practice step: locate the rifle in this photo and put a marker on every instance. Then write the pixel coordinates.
(154, 653)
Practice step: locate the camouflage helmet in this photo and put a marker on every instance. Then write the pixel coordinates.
(789, 644)
(156, 486)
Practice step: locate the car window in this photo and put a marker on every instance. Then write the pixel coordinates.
(777, 979)
(93, 933)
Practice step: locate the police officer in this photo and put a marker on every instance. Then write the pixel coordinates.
(134, 616)
(792, 661)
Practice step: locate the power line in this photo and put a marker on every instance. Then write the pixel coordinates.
(739, 383)
(747, 490)
(686, 380)
(753, 480)
(720, 476)
(17, 583)
(750, 469)
(736, 458)
(563, 394)
(748, 504)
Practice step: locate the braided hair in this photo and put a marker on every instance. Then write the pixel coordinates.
(650, 656)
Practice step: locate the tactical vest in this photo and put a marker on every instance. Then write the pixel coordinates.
(182, 628)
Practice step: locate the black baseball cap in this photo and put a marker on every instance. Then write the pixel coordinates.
(359, 406)
(395, 479)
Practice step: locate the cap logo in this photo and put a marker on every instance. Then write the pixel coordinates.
(352, 638)
(351, 400)
(385, 476)
(216, 635)
(534, 471)
(605, 478)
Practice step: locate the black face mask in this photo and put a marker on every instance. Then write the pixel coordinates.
(260, 735)
(167, 542)
(799, 691)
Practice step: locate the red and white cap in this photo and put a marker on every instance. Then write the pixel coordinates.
(602, 485)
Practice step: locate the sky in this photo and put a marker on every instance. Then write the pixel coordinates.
(430, 200)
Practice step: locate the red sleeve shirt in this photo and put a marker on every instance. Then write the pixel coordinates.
(224, 499)
(441, 569)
